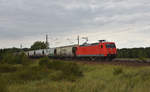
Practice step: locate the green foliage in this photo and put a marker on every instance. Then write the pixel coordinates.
(144, 74)
(18, 69)
(44, 61)
(10, 50)
(7, 58)
(39, 45)
(56, 75)
(70, 71)
(4, 68)
(20, 58)
(100, 78)
(64, 70)
(29, 73)
(133, 53)
(117, 70)
(142, 59)
(3, 85)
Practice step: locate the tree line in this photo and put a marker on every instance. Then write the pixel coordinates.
(133, 52)
(36, 45)
(121, 53)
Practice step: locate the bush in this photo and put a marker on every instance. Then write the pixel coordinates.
(44, 61)
(144, 74)
(7, 58)
(29, 73)
(53, 69)
(64, 70)
(142, 59)
(117, 70)
(3, 85)
(11, 58)
(69, 70)
(4, 68)
(56, 75)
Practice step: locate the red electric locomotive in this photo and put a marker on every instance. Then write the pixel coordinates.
(99, 50)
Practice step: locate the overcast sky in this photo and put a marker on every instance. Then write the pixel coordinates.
(126, 22)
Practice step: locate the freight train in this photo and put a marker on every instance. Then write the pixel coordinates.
(99, 50)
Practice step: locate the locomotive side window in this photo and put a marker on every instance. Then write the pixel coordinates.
(110, 46)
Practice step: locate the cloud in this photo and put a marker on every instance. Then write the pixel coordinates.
(123, 21)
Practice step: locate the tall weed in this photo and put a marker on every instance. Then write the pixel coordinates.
(64, 70)
(3, 85)
(117, 70)
(11, 58)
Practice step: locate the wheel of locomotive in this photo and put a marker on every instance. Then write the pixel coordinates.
(92, 58)
(103, 59)
(108, 59)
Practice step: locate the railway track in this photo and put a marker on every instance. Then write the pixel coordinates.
(123, 62)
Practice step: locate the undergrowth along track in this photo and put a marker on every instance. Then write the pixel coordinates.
(124, 62)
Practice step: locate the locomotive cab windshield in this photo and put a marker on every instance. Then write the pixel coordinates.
(112, 45)
(110, 50)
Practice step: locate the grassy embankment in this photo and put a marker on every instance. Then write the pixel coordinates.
(53, 76)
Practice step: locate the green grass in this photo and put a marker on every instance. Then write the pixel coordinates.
(95, 78)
